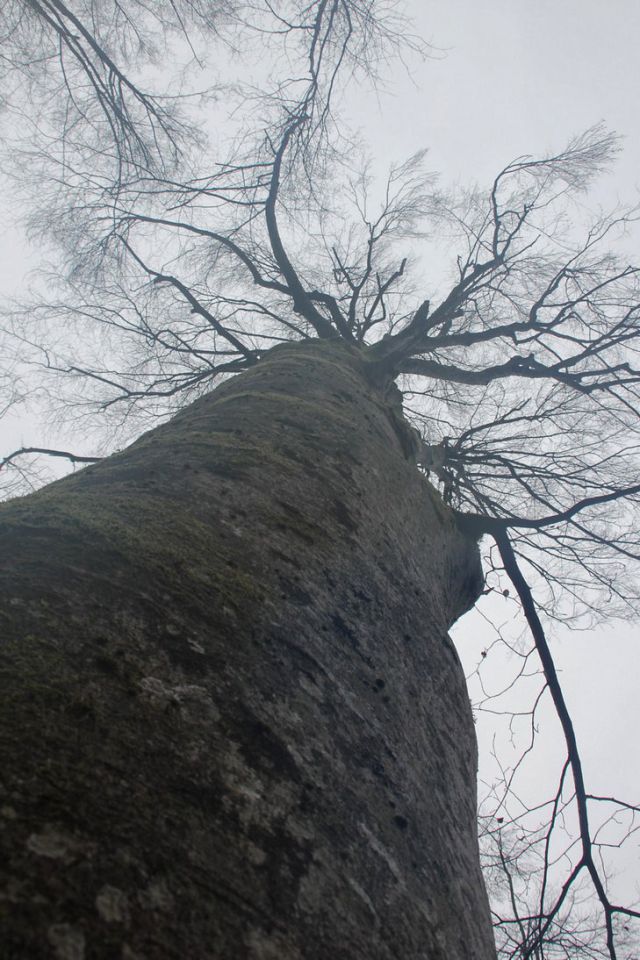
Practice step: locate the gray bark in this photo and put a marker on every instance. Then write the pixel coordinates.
(232, 722)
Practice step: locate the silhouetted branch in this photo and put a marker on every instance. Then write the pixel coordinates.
(47, 452)
(586, 861)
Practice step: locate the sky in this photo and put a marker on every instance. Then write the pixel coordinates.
(505, 78)
(511, 77)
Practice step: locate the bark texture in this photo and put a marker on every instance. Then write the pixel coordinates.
(232, 724)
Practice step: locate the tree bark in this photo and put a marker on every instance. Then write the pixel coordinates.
(232, 722)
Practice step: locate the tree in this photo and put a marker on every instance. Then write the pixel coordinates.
(520, 381)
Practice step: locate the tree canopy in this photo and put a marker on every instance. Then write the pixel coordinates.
(196, 219)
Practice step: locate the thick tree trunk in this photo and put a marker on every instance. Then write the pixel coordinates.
(232, 722)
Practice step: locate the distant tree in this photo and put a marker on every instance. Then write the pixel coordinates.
(188, 259)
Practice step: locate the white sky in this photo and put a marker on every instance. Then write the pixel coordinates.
(513, 77)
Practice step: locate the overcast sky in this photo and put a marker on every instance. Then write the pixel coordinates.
(509, 77)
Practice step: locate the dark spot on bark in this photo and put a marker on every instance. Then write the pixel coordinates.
(379, 684)
(361, 595)
(182, 655)
(81, 711)
(285, 558)
(106, 665)
(342, 629)
(307, 802)
(203, 796)
(295, 594)
(287, 862)
(330, 578)
(261, 747)
(226, 471)
(345, 472)
(401, 822)
(344, 517)
(303, 535)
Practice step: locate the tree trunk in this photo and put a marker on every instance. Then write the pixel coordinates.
(232, 722)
